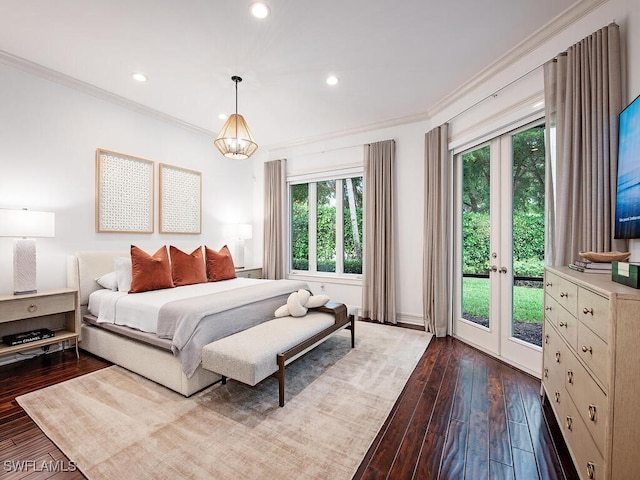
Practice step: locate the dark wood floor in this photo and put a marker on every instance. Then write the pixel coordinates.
(462, 415)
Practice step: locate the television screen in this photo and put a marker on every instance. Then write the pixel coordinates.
(628, 191)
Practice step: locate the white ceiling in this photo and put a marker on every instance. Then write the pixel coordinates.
(395, 58)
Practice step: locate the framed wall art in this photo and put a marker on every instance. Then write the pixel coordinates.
(124, 193)
(180, 200)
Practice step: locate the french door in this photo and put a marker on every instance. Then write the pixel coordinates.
(500, 246)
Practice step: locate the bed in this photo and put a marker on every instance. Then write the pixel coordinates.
(147, 353)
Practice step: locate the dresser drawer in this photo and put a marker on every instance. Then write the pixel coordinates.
(593, 311)
(553, 365)
(568, 327)
(21, 308)
(590, 401)
(563, 291)
(587, 458)
(594, 352)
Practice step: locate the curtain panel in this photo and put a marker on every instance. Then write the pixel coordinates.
(378, 284)
(583, 97)
(274, 243)
(436, 296)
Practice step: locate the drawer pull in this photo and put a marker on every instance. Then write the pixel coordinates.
(557, 395)
(32, 308)
(558, 357)
(564, 294)
(549, 284)
(569, 422)
(570, 376)
(586, 349)
(548, 309)
(591, 470)
(563, 324)
(592, 412)
(546, 372)
(587, 311)
(546, 339)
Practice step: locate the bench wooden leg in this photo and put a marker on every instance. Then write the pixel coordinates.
(281, 378)
(352, 319)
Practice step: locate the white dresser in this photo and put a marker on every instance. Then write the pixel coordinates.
(591, 370)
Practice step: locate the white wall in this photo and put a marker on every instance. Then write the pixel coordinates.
(513, 103)
(49, 134)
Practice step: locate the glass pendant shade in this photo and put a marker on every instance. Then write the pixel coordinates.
(235, 139)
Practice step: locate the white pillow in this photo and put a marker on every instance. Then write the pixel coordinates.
(108, 281)
(122, 267)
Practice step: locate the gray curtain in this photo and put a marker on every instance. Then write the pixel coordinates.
(379, 285)
(436, 299)
(583, 97)
(273, 249)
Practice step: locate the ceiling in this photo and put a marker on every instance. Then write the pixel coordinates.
(395, 58)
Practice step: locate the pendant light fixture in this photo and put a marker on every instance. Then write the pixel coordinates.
(235, 140)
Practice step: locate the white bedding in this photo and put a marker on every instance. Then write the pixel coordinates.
(140, 310)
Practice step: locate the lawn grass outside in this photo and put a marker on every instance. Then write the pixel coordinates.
(528, 303)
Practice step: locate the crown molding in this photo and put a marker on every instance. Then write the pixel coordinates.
(28, 66)
(535, 40)
(394, 122)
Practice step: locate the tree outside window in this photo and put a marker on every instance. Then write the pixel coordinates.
(326, 226)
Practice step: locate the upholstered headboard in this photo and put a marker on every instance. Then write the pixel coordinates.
(84, 267)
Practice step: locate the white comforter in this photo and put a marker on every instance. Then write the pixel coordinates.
(140, 310)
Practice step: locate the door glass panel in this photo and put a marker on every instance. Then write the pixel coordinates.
(326, 226)
(475, 235)
(528, 234)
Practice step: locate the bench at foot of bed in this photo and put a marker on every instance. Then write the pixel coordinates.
(252, 355)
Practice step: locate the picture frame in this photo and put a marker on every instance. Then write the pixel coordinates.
(180, 200)
(124, 193)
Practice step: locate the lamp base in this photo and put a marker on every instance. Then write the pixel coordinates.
(238, 254)
(24, 266)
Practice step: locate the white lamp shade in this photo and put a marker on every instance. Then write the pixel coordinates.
(27, 223)
(236, 231)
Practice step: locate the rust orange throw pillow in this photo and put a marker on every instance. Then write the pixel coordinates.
(187, 268)
(149, 272)
(219, 264)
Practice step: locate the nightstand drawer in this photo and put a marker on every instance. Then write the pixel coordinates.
(249, 272)
(21, 308)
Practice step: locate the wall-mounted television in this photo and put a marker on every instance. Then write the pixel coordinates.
(628, 191)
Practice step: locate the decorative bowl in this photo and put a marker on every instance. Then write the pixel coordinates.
(605, 256)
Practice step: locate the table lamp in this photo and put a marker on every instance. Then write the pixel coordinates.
(24, 225)
(239, 232)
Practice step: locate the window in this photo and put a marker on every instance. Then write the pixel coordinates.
(326, 224)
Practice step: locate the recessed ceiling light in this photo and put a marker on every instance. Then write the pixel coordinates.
(223, 116)
(332, 80)
(260, 10)
(139, 77)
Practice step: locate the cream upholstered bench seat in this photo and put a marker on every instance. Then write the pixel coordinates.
(252, 355)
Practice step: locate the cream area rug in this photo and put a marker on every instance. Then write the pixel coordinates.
(116, 424)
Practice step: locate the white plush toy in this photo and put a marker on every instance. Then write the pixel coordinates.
(299, 302)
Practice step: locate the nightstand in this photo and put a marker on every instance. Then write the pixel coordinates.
(247, 272)
(52, 309)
